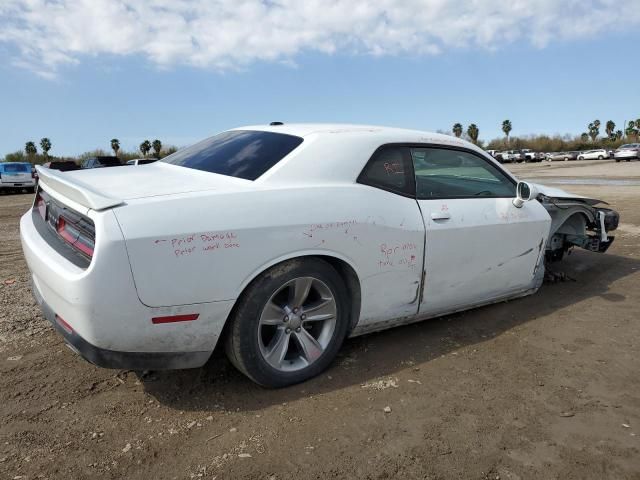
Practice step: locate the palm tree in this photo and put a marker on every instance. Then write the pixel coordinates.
(594, 130)
(610, 128)
(31, 150)
(584, 137)
(506, 128)
(157, 146)
(473, 132)
(631, 128)
(457, 129)
(145, 147)
(45, 144)
(618, 135)
(115, 146)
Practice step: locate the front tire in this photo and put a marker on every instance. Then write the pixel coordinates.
(289, 323)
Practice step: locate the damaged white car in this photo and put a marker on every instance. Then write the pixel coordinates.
(283, 240)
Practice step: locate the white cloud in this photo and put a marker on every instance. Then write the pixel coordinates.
(229, 34)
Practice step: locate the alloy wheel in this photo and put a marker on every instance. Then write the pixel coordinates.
(297, 324)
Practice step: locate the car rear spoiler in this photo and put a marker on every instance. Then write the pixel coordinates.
(76, 190)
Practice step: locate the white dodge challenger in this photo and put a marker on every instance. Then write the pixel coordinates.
(280, 241)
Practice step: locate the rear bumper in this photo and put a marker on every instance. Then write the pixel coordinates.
(105, 358)
(28, 184)
(105, 322)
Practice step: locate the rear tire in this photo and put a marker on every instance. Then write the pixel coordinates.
(279, 335)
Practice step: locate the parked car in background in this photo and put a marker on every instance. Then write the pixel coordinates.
(101, 162)
(502, 157)
(598, 154)
(516, 156)
(62, 165)
(531, 156)
(17, 176)
(562, 156)
(141, 161)
(281, 241)
(627, 152)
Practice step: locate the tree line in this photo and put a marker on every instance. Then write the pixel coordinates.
(31, 154)
(588, 139)
(544, 143)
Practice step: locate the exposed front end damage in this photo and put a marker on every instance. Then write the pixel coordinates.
(576, 222)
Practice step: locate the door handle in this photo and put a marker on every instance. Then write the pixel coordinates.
(440, 216)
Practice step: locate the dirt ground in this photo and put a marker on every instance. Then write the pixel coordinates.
(538, 388)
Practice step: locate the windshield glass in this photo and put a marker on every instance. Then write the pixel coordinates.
(239, 153)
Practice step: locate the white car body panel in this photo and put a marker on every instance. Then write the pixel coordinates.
(258, 235)
(172, 240)
(479, 249)
(101, 315)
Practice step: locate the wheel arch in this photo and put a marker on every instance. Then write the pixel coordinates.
(575, 217)
(341, 264)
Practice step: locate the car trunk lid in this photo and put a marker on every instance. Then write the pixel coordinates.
(104, 188)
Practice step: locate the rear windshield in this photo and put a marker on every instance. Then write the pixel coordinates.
(17, 167)
(239, 153)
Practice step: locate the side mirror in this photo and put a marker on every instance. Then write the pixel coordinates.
(524, 192)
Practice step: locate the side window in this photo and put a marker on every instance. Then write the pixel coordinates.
(389, 169)
(442, 173)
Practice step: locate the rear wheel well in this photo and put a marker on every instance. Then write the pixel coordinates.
(353, 286)
(346, 272)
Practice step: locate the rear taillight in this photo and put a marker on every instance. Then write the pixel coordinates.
(75, 236)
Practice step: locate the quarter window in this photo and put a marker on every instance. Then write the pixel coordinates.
(389, 169)
(443, 173)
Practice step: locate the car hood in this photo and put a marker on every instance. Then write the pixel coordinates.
(557, 193)
(101, 188)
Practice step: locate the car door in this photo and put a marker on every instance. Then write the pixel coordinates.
(479, 245)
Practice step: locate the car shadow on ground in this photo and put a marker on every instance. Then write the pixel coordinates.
(219, 386)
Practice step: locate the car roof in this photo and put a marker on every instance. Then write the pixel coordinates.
(343, 148)
(343, 129)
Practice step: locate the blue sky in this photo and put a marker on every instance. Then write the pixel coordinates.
(553, 85)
